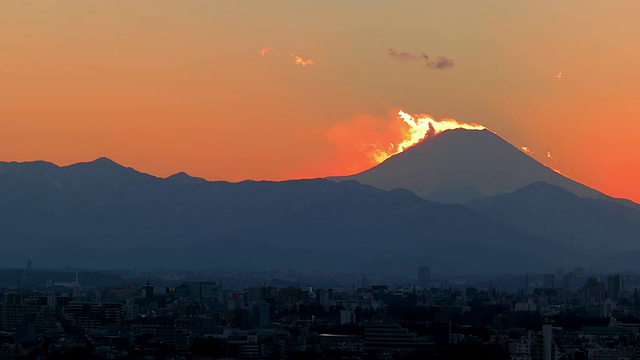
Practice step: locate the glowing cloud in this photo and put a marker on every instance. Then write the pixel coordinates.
(526, 150)
(366, 141)
(424, 126)
(300, 61)
(559, 75)
(551, 156)
(265, 51)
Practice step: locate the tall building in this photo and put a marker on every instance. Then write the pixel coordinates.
(594, 291)
(147, 291)
(570, 282)
(260, 314)
(614, 287)
(424, 276)
(441, 328)
(322, 298)
(548, 281)
(547, 341)
(364, 282)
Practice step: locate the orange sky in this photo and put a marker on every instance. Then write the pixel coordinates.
(168, 86)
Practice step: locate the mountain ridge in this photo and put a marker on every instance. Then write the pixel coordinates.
(596, 228)
(85, 211)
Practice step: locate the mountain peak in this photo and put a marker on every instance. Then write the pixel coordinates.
(104, 161)
(102, 167)
(459, 166)
(184, 178)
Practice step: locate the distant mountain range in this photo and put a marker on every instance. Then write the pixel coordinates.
(100, 214)
(103, 215)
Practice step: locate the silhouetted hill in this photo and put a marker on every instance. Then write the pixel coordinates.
(595, 229)
(458, 166)
(103, 215)
(183, 177)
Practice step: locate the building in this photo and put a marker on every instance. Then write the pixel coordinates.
(322, 298)
(347, 317)
(292, 296)
(424, 276)
(391, 337)
(528, 306)
(607, 308)
(147, 292)
(595, 292)
(570, 282)
(259, 316)
(537, 346)
(614, 287)
(261, 293)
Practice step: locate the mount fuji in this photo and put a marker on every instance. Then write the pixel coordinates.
(459, 166)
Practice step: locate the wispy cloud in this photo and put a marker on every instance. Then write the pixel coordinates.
(437, 63)
(403, 56)
(297, 60)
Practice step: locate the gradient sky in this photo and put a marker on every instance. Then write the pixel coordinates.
(168, 86)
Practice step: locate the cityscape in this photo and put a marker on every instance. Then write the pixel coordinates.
(286, 314)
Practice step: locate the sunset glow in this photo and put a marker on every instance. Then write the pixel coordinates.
(275, 91)
(418, 128)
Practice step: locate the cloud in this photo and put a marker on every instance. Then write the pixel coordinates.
(437, 63)
(403, 56)
(265, 51)
(300, 61)
(440, 63)
(297, 60)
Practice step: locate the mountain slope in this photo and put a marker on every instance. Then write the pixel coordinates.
(594, 228)
(458, 166)
(100, 214)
